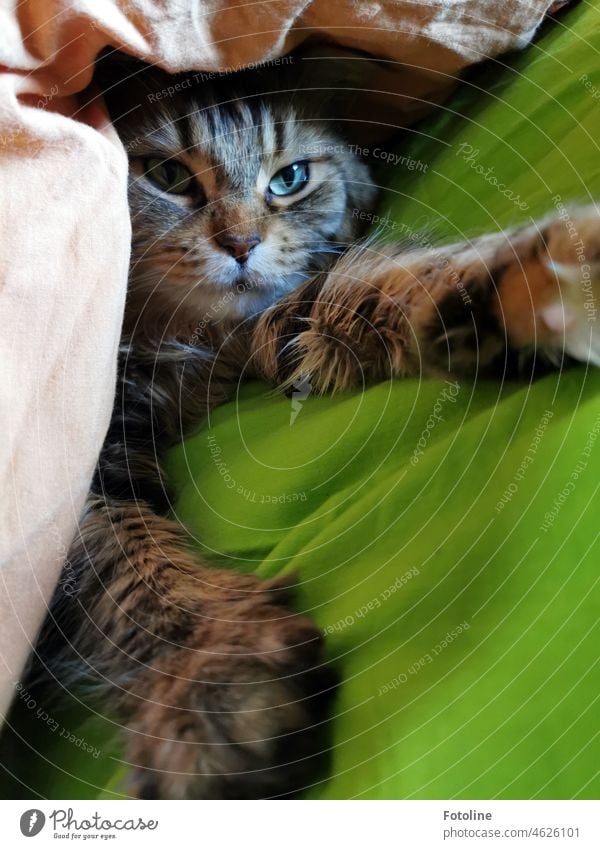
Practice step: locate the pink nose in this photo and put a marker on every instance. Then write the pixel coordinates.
(238, 247)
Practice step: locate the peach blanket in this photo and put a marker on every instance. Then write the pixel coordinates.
(65, 227)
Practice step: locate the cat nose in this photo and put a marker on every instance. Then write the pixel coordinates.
(238, 247)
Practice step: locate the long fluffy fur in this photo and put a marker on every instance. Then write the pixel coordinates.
(222, 688)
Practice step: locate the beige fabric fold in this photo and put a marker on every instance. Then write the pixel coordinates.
(65, 227)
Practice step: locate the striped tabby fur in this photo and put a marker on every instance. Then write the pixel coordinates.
(222, 688)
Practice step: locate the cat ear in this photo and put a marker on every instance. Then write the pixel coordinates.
(346, 84)
(332, 70)
(126, 82)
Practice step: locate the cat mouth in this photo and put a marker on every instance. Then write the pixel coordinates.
(258, 278)
(248, 280)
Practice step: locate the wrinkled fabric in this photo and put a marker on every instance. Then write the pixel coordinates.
(65, 226)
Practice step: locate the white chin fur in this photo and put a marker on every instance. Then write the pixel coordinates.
(241, 298)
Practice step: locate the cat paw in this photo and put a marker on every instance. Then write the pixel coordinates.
(550, 300)
(244, 718)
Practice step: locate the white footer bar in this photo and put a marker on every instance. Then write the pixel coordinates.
(298, 824)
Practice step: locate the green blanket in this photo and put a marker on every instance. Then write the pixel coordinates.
(445, 534)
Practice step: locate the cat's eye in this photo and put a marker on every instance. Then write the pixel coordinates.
(290, 180)
(168, 175)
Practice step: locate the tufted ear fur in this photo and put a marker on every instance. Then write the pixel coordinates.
(341, 85)
(126, 82)
(346, 83)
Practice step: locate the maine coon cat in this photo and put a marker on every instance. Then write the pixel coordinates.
(246, 260)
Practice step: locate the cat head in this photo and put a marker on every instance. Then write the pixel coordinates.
(240, 185)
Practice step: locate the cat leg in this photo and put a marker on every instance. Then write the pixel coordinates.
(460, 309)
(221, 688)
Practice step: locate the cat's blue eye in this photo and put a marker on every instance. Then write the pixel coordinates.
(290, 179)
(168, 175)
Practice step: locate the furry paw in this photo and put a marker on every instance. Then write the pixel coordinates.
(242, 718)
(551, 299)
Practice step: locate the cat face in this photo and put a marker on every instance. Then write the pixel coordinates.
(236, 195)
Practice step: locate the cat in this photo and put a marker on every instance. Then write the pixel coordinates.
(247, 259)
